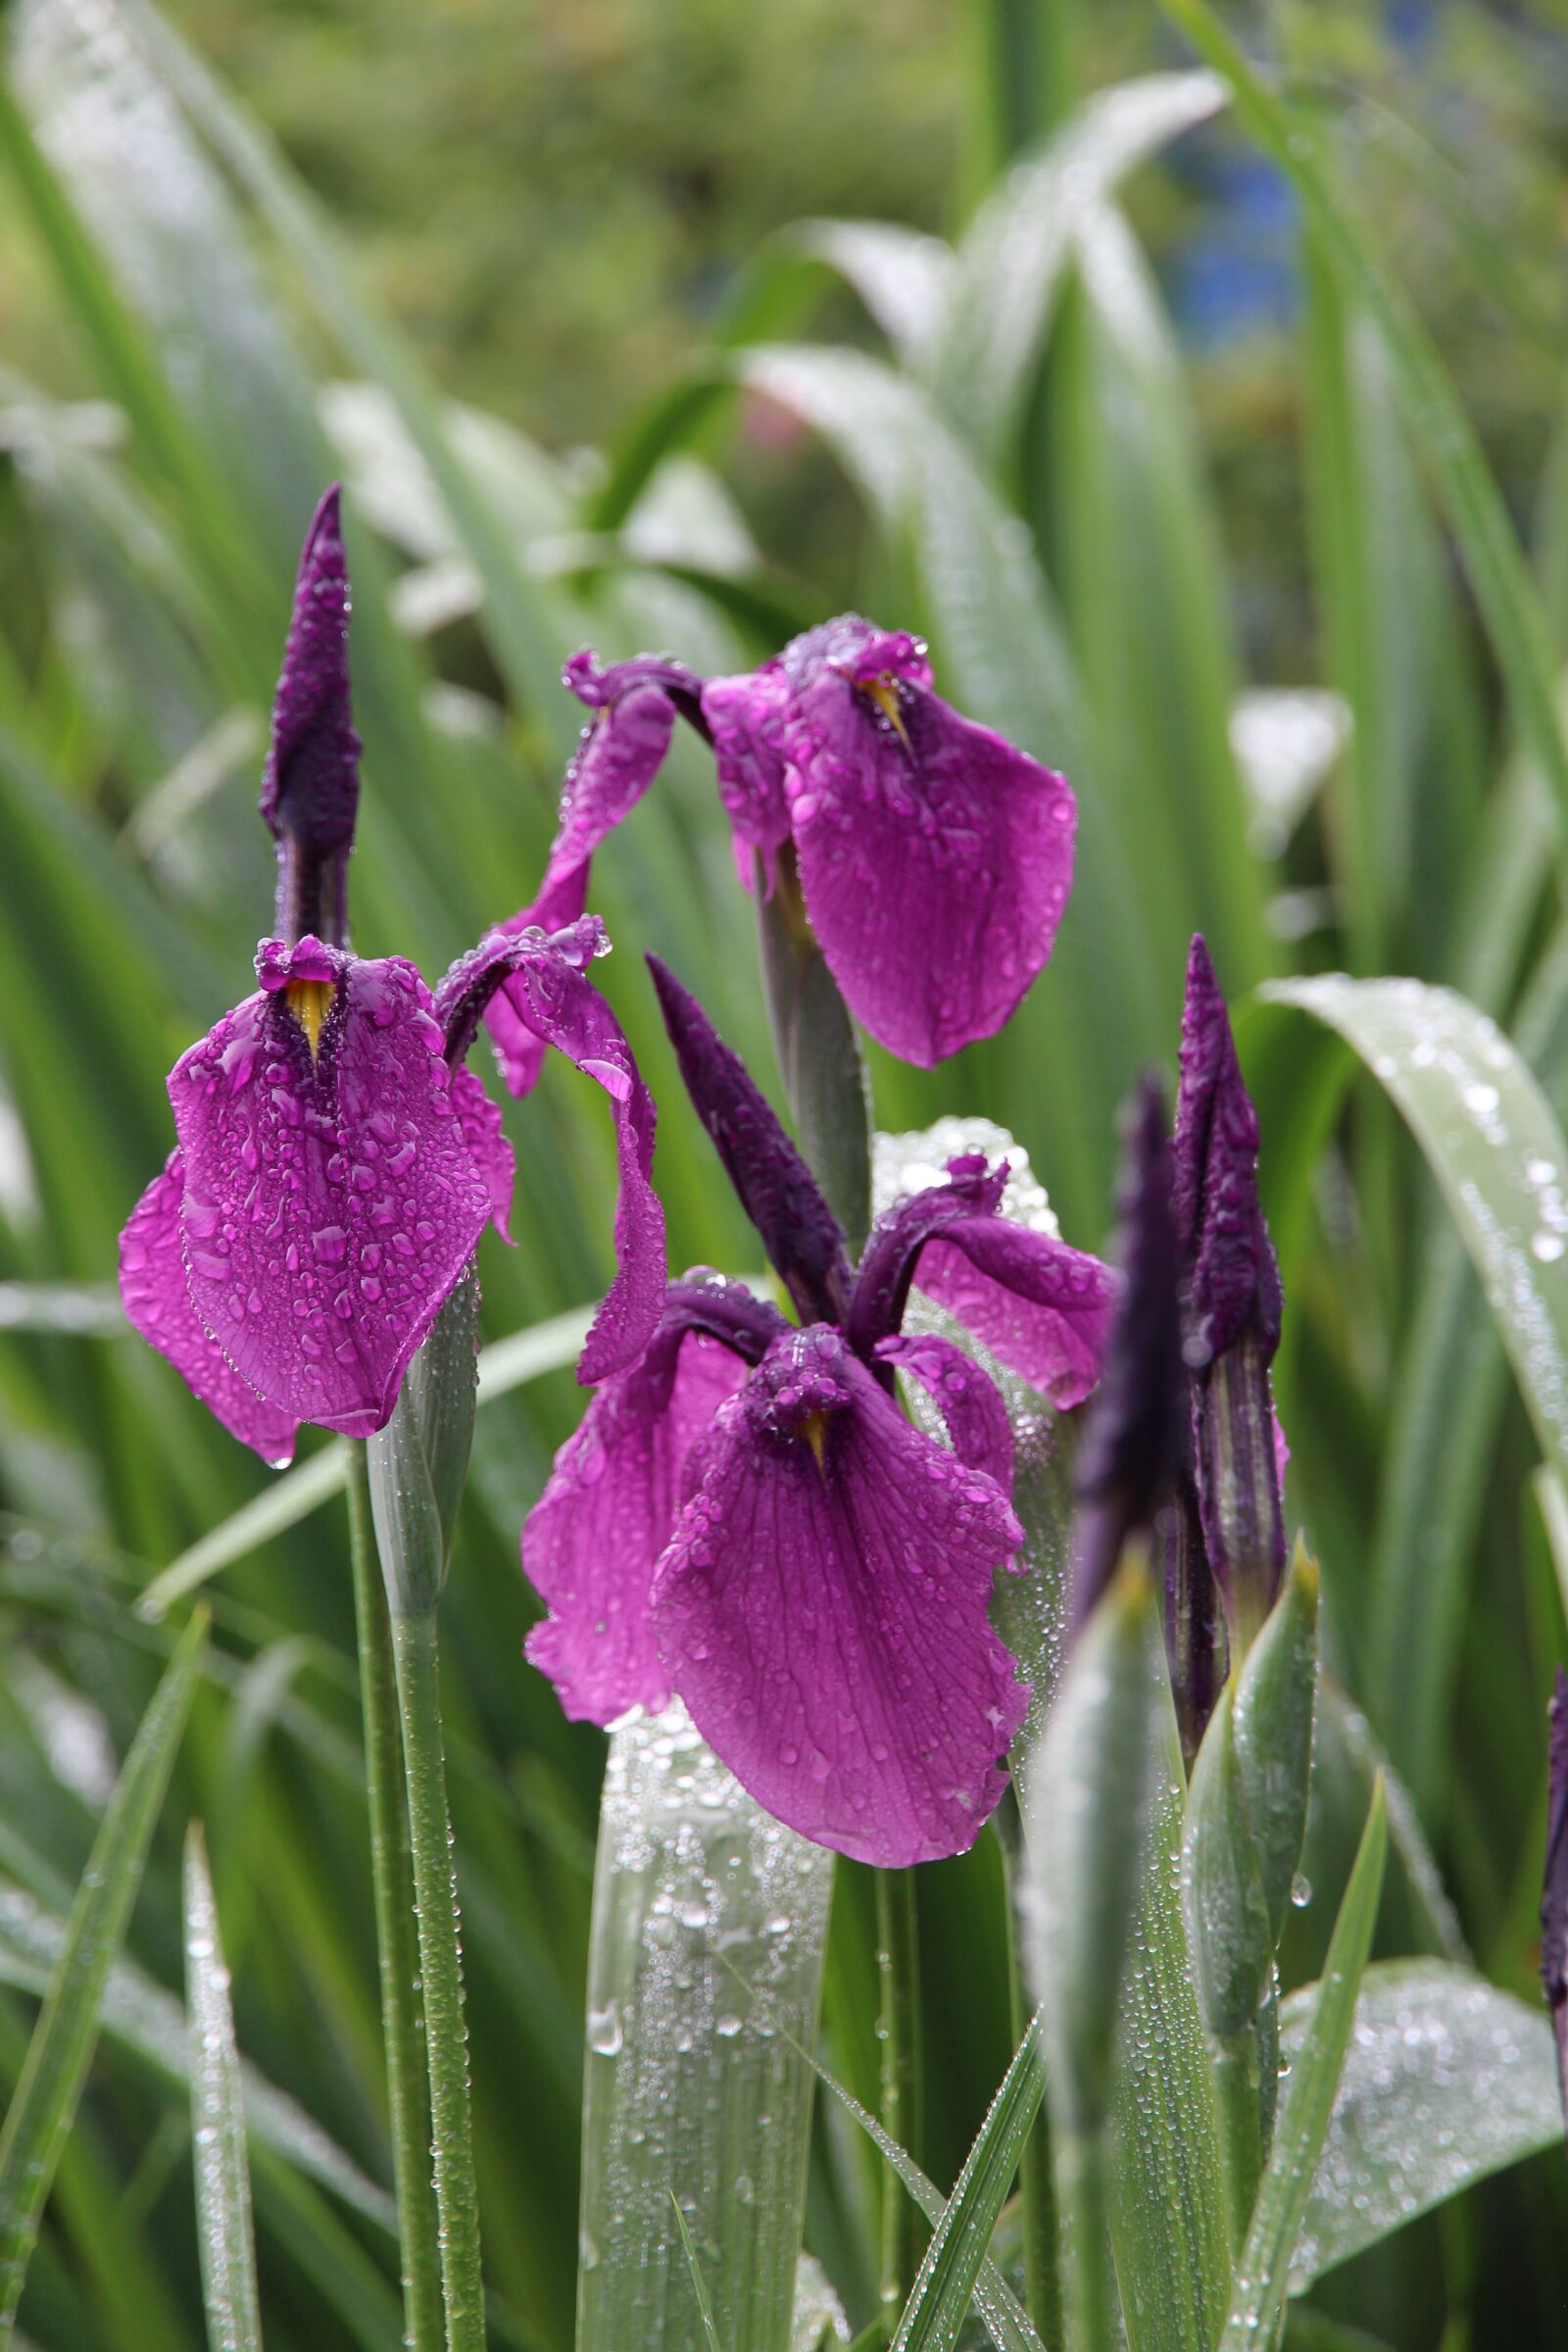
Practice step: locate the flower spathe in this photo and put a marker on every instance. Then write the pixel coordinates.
(746, 1517)
(933, 858)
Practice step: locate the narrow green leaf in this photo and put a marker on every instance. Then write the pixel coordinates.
(1495, 1149)
(217, 2123)
(1308, 2104)
(699, 2284)
(41, 2114)
(1446, 2081)
(940, 2299)
(993, 2299)
(1442, 430)
(704, 1977)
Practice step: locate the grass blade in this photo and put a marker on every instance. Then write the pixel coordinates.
(1262, 2273)
(217, 2123)
(699, 2284)
(944, 2287)
(59, 2053)
(1443, 433)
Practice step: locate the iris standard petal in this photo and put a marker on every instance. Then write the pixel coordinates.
(331, 1198)
(935, 858)
(1044, 1310)
(591, 1541)
(481, 1120)
(157, 1298)
(745, 717)
(544, 984)
(822, 1609)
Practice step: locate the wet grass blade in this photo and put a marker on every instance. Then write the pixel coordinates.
(1438, 426)
(1264, 2271)
(939, 2301)
(39, 2119)
(699, 2284)
(223, 2228)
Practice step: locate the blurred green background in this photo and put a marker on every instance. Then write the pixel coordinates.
(533, 280)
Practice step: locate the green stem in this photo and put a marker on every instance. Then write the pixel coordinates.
(818, 1054)
(898, 1961)
(1037, 2181)
(416, 1657)
(392, 1876)
(1091, 2292)
(1240, 2124)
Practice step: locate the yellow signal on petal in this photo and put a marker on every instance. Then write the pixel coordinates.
(813, 1429)
(884, 693)
(309, 1001)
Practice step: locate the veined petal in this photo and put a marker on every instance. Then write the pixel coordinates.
(899, 1235)
(545, 986)
(745, 718)
(331, 1198)
(1044, 1310)
(965, 1395)
(591, 1541)
(935, 858)
(822, 1609)
(481, 1120)
(157, 1300)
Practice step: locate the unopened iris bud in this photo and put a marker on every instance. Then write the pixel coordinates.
(1232, 1311)
(311, 786)
(1131, 1443)
(1555, 1898)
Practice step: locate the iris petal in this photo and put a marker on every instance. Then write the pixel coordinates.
(822, 1609)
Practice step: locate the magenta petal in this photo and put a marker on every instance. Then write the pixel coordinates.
(745, 718)
(965, 1395)
(822, 1609)
(157, 1300)
(591, 1541)
(935, 858)
(1045, 1309)
(331, 1198)
(481, 1120)
(558, 1003)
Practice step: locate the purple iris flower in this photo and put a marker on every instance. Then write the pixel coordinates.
(746, 1516)
(932, 858)
(335, 1160)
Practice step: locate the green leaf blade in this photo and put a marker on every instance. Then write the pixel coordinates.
(223, 2225)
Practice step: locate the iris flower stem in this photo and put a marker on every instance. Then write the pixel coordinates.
(1091, 2295)
(1037, 2183)
(392, 1877)
(415, 1657)
(818, 1054)
(1241, 2128)
(898, 1961)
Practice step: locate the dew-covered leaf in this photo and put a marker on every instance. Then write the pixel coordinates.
(224, 2229)
(705, 1971)
(1446, 2081)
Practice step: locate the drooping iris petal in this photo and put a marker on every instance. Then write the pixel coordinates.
(822, 1609)
(552, 1000)
(966, 1397)
(745, 718)
(803, 1238)
(331, 1200)
(620, 752)
(591, 1541)
(1044, 1310)
(157, 1298)
(935, 858)
(481, 1120)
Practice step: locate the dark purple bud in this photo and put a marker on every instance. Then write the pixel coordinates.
(1196, 1650)
(1555, 1898)
(310, 783)
(777, 1190)
(1133, 1435)
(1234, 1280)
(1232, 1311)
